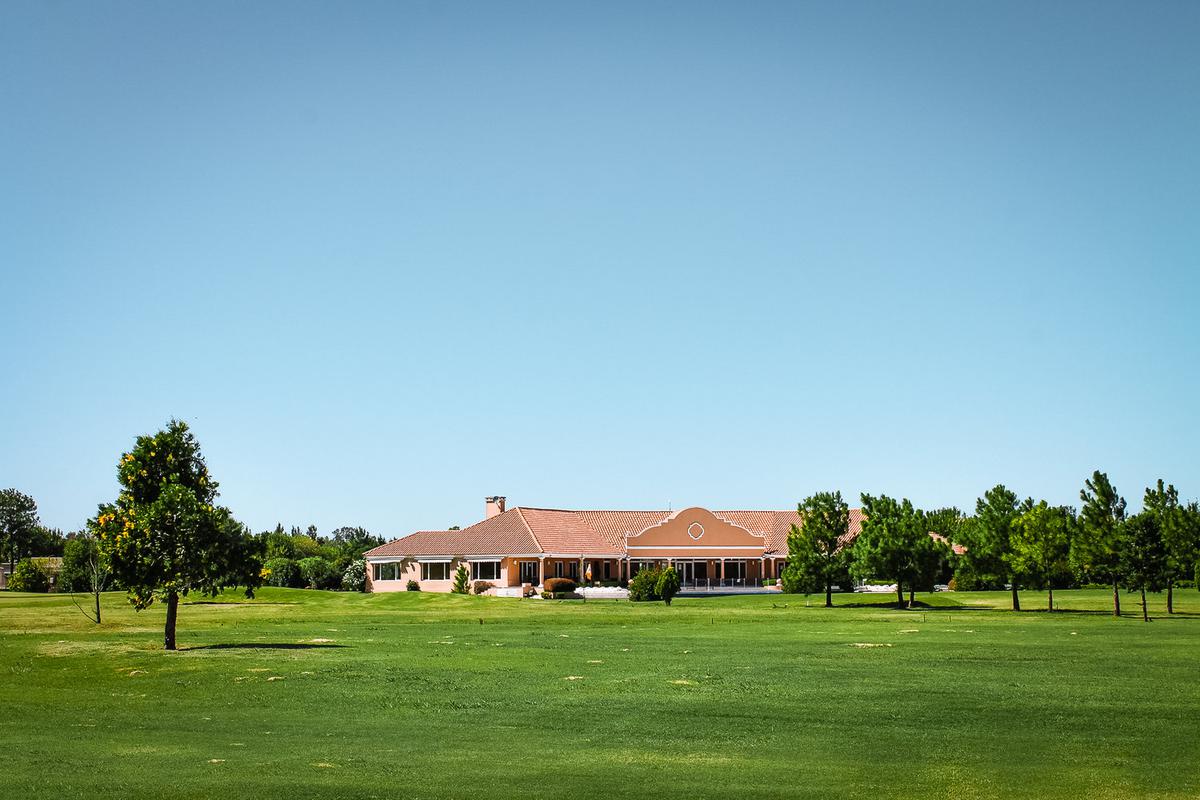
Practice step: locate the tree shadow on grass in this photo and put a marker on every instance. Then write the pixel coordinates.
(917, 606)
(267, 646)
(237, 603)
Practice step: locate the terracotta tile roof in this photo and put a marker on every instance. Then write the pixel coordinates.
(522, 530)
(503, 534)
(567, 532)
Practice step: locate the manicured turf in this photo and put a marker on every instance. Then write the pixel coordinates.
(309, 694)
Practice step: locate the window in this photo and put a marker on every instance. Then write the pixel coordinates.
(387, 572)
(485, 570)
(435, 570)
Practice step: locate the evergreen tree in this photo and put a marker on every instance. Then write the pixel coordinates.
(1144, 556)
(1042, 544)
(894, 544)
(1180, 533)
(996, 515)
(1096, 549)
(816, 557)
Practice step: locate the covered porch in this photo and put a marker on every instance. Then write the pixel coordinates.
(715, 574)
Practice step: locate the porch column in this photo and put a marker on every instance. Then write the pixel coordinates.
(722, 572)
(541, 570)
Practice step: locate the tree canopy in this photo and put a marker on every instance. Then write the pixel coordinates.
(163, 536)
(1096, 555)
(18, 525)
(1041, 544)
(816, 557)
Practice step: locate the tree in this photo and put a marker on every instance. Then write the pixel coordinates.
(45, 541)
(976, 567)
(1042, 544)
(1144, 556)
(668, 584)
(997, 514)
(1180, 534)
(894, 544)
(84, 569)
(164, 537)
(461, 580)
(1096, 550)
(18, 521)
(816, 557)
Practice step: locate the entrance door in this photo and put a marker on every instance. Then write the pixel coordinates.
(529, 572)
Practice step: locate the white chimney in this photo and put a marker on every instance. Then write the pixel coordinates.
(493, 506)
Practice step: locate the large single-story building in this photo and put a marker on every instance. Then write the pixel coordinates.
(518, 546)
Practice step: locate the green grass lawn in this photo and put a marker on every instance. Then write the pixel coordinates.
(312, 694)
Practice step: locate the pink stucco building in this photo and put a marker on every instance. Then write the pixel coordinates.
(512, 547)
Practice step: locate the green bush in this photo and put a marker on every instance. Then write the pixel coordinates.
(354, 578)
(28, 577)
(412, 586)
(317, 573)
(644, 585)
(668, 585)
(556, 585)
(479, 587)
(282, 572)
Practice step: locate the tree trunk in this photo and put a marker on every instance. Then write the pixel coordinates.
(829, 595)
(97, 594)
(1170, 597)
(1016, 598)
(910, 597)
(1116, 599)
(899, 594)
(1050, 589)
(172, 613)
(1145, 616)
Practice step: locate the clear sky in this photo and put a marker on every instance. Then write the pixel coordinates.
(388, 258)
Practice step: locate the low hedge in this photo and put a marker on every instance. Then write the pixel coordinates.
(479, 587)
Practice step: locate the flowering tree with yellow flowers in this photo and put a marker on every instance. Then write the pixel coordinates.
(164, 537)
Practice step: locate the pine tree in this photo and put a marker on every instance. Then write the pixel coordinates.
(1096, 550)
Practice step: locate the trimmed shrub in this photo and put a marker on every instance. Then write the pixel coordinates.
(412, 586)
(462, 580)
(354, 579)
(644, 585)
(282, 572)
(668, 584)
(479, 587)
(556, 585)
(28, 577)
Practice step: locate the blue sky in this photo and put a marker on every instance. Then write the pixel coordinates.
(389, 258)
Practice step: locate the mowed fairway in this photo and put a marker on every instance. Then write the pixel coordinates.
(310, 694)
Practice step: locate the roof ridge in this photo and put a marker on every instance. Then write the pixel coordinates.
(525, 522)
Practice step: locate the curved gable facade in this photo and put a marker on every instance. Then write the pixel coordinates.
(695, 532)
